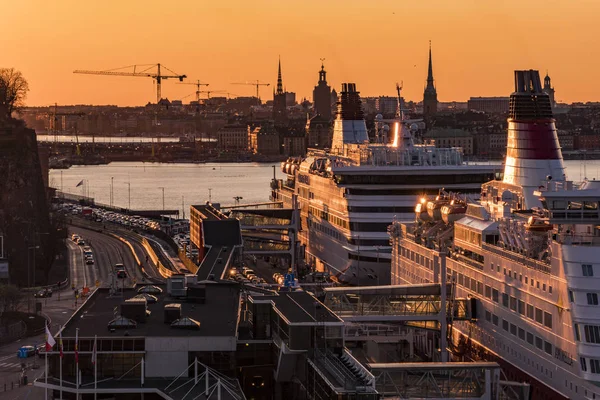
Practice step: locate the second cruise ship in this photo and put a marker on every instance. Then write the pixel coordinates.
(348, 196)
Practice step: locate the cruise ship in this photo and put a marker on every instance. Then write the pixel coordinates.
(528, 254)
(349, 195)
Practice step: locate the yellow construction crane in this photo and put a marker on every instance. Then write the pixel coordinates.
(208, 92)
(258, 84)
(197, 84)
(141, 70)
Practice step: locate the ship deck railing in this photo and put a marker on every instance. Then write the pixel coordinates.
(528, 262)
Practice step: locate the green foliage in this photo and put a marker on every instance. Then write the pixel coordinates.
(10, 297)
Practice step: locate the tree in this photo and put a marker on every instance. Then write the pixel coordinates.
(10, 298)
(13, 91)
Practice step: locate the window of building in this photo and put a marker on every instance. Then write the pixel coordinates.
(587, 270)
(550, 289)
(592, 299)
(592, 333)
(521, 307)
(504, 299)
(492, 266)
(513, 303)
(577, 334)
(547, 320)
(595, 366)
(513, 329)
(461, 279)
(488, 316)
(488, 291)
(521, 277)
(529, 311)
(530, 338)
(521, 333)
(495, 319)
(526, 279)
(538, 284)
(583, 364)
(571, 297)
(544, 287)
(480, 288)
(539, 315)
(515, 275)
(532, 282)
(505, 325)
(548, 347)
(473, 285)
(495, 295)
(539, 343)
(498, 268)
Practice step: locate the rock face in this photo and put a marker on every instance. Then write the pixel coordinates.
(29, 239)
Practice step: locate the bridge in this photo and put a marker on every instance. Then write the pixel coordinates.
(395, 303)
(456, 380)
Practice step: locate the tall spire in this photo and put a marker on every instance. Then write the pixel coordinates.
(279, 80)
(430, 71)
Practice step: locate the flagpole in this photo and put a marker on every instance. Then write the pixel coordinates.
(95, 368)
(60, 348)
(76, 359)
(46, 364)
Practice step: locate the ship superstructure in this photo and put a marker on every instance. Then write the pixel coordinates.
(349, 195)
(528, 252)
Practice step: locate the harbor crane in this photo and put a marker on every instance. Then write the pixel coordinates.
(208, 92)
(197, 84)
(140, 70)
(258, 84)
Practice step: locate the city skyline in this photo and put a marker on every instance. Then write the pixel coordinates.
(475, 47)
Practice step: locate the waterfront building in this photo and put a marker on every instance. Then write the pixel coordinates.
(445, 138)
(233, 137)
(318, 132)
(549, 90)
(489, 105)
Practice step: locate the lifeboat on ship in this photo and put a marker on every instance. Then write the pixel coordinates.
(453, 211)
(434, 208)
(421, 210)
(535, 224)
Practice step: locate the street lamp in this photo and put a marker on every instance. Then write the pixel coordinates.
(129, 195)
(111, 190)
(163, 197)
(237, 199)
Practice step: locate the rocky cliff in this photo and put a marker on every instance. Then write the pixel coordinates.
(24, 215)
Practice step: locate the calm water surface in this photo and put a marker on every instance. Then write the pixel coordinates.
(190, 183)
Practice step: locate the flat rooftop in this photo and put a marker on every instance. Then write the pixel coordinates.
(299, 307)
(218, 315)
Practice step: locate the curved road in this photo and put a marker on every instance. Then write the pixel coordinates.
(108, 251)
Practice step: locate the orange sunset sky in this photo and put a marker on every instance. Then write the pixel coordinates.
(476, 45)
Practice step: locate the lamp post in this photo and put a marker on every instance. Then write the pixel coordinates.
(129, 195)
(111, 190)
(163, 197)
(210, 195)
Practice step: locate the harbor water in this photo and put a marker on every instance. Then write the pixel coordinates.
(141, 184)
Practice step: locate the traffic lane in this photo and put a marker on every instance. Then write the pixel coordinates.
(133, 239)
(142, 254)
(109, 251)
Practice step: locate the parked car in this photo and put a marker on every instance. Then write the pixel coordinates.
(89, 260)
(28, 351)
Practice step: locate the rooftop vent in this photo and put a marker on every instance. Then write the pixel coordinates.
(150, 289)
(150, 299)
(176, 285)
(135, 309)
(186, 323)
(172, 312)
(121, 323)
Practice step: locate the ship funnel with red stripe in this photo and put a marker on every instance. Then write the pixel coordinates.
(533, 153)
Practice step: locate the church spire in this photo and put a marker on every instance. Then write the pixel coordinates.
(430, 70)
(279, 80)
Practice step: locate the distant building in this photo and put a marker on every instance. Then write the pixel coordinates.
(264, 140)
(444, 138)
(233, 137)
(489, 105)
(430, 101)
(587, 139)
(369, 105)
(386, 105)
(319, 132)
(322, 96)
(549, 90)
(279, 101)
(290, 99)
(566, 140)
(294, 145)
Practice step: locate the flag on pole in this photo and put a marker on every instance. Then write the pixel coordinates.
(76, 352)
(50, 342)
(80, 183)
(60, 343)
(94, 353)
